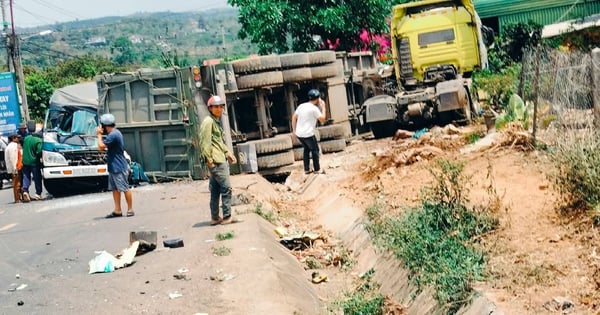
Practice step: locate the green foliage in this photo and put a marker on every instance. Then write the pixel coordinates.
(221, 251)
(498, 86)
(267, 215)
(365, 300)
(582, 40)
(279, 26)
(225, 236)
(508, 48)
(436, 240)
(39, 89)
(576, 157)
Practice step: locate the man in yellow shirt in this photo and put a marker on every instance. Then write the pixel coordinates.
(215, 153)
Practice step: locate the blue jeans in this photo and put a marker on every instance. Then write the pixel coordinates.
(310, 146)
(28, 171)
(220, 188)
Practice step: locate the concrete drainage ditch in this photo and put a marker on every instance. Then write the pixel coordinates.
(336, 213)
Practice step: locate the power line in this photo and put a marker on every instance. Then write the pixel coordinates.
(57, 9)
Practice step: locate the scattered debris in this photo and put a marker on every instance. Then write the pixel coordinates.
(281, 231)
(21, 287)
(318, 277)
(20, 303)
(174, 295)
(173, 243)
(300, 241)
(560, 304)
(18, 276)
(105, 262)
(147, 239)
(220, 276)
(391, 307)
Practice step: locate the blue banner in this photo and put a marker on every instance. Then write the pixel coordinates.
(10, 113)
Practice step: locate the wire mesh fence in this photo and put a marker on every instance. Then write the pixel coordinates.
(560, 87)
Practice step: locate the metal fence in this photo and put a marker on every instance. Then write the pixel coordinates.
(560, 87)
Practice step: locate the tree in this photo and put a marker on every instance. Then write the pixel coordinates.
(302, 25)
(125, 47)
(39, 89)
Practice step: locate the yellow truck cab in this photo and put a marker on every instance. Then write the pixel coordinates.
(436, 45)
(433, 33)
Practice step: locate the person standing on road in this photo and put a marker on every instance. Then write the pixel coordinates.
(215, 153)
(118, 169)
(32, 166)
(14, 163)
(304, 122)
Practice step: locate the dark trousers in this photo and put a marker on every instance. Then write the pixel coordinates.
(310, 146)
(220, 188)
(30, 171)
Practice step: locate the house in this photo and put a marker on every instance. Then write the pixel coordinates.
(497, 14)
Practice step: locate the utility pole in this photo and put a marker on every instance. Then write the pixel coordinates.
(14, 53)
(9, 62)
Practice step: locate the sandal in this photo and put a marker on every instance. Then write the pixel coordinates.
(113, 215)
(216, 222)
(230, 220)
(130, 213)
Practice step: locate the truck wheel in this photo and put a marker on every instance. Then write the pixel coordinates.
(331, 146)
(296, 75)
(275, 160)
(321, 57)
(261, 63)
(294, 60)
(298, 154)
(259, 79)
(382, 129)
(331, 132)
(270, 145)
(324, 72)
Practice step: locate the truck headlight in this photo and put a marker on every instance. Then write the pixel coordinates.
(53, 159)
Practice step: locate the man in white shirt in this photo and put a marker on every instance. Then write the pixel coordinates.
(304, 122)
(11, 157)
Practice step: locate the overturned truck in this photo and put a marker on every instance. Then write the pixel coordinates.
(159, 111)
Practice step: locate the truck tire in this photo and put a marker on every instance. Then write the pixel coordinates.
(296, 75)
(271, 145)
(330, 146)
(259, 79)
(294, 60)
(321, 57)
(331, 132)
(261, 63)
(383, 129)
(296, 143)
(275, 160)
(324, 72)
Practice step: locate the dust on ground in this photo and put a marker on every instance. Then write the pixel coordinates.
(539, 261)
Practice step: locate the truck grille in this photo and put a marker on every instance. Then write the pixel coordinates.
(85, 158)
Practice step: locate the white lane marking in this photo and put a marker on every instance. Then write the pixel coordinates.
(8, 227)
(72, 202)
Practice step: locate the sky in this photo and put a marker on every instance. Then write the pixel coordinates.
(30, 13)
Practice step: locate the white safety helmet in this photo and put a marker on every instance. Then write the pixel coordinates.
(107, 120)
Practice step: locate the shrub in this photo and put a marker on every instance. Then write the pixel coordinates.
(576, 156)
(365, 299)
(435, 241)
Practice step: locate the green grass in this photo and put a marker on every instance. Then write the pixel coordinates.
(267, 215)
(364, 300)
(221, 251)
(436, 240)
(224, 236)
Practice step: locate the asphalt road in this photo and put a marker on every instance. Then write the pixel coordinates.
(45, 247)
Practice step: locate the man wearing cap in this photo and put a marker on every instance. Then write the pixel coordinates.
(12, 157)
(118, 168)
(304, 121)
(215, 153)
(22, 132)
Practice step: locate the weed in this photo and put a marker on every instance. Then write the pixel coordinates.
(221, 251)
(225, 236)
(365, 299)
(267, 215)
(435, 241)
(576, 157)
(313, 263)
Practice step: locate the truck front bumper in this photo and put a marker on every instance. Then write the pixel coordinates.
(74, 171)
